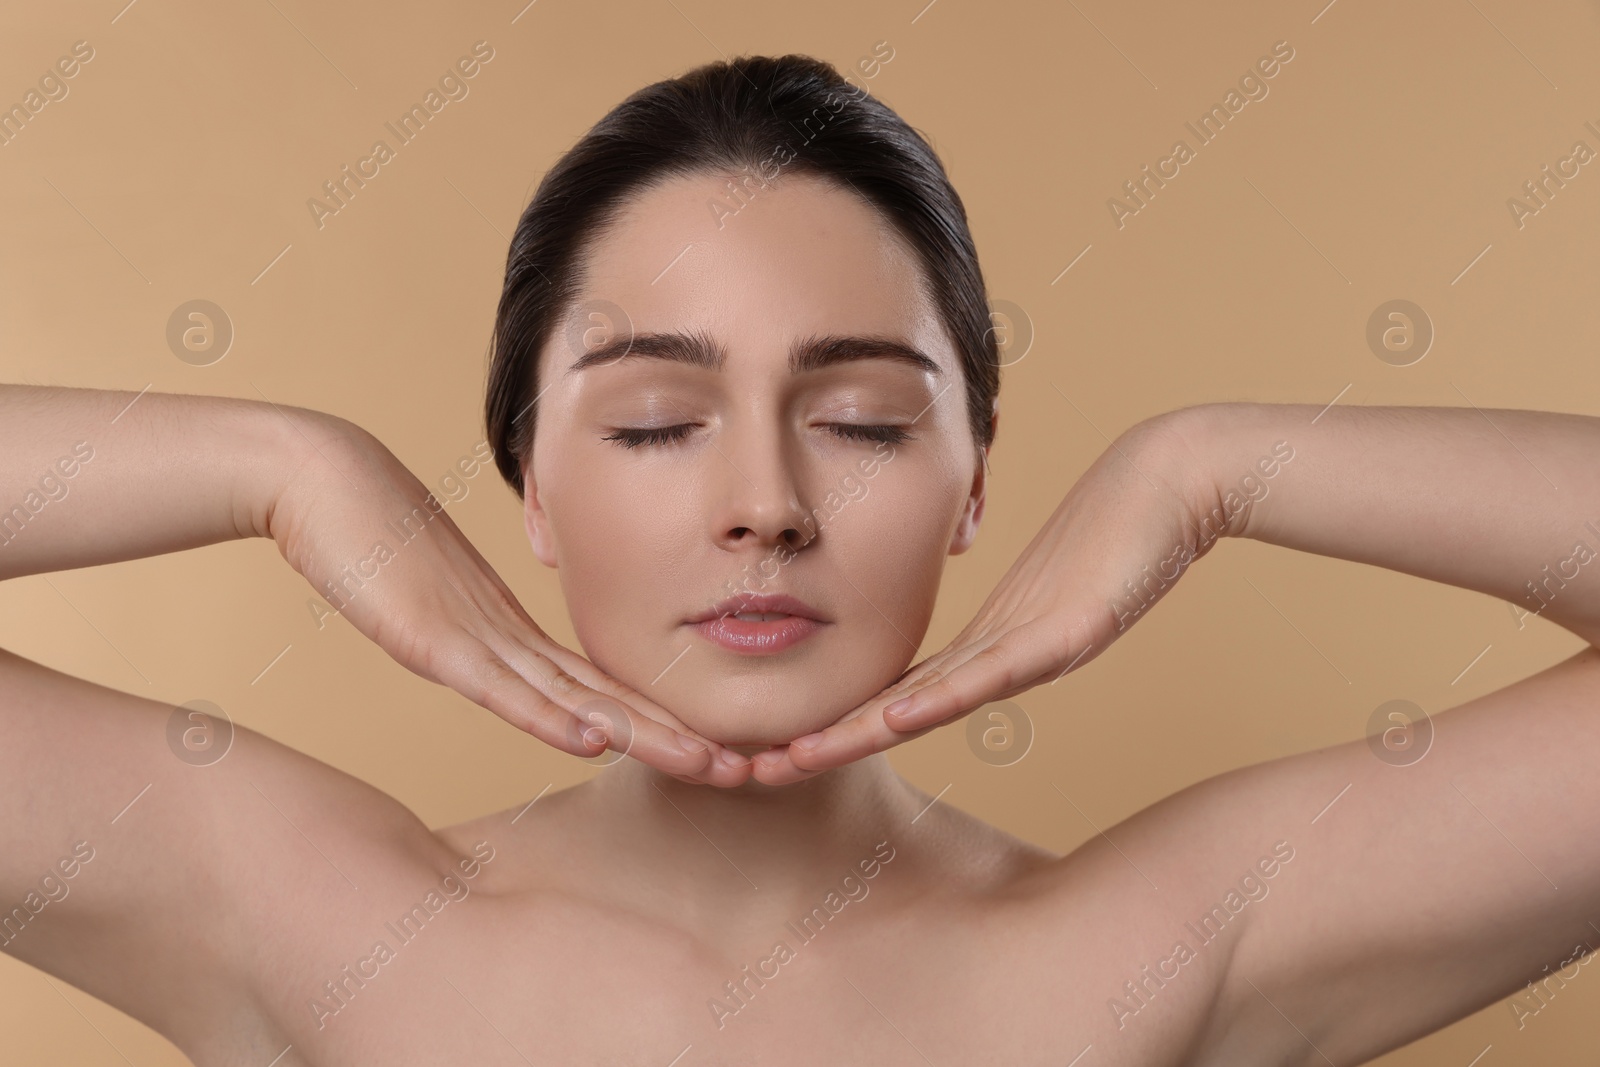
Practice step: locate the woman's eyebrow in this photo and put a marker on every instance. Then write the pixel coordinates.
(807, 354)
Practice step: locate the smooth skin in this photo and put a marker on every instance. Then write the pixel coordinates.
(598, 925)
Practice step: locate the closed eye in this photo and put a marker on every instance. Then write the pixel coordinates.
(661, 435)
(654, 435)
(856, 432)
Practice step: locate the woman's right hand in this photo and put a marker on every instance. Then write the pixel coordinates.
(435, 605)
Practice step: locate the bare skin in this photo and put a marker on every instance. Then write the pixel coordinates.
(1371, 902)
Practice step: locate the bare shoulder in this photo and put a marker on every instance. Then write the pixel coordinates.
(1127, 942)
(1333, 886)
(172, 863)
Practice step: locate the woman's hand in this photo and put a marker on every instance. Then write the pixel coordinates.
(1131, 522)
(359, 526)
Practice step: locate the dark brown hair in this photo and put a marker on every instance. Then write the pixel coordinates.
(755, 112)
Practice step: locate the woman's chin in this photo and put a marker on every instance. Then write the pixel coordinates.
(753, 712)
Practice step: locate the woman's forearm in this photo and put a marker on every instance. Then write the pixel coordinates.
(1502, 501)
(91, 476)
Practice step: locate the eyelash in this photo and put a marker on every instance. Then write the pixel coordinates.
(633, 438)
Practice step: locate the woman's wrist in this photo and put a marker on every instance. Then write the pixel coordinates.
(1216, 463)
(275, 442)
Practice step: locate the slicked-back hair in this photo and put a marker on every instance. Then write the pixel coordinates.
(764, 116)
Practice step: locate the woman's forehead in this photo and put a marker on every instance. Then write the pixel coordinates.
(799, 257)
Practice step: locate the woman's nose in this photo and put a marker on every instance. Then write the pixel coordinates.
(762, 497)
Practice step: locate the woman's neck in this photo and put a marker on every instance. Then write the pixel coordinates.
(749, 856)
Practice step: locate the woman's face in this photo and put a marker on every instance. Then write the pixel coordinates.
(768, 480)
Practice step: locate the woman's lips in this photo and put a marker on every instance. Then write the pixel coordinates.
(754, 638)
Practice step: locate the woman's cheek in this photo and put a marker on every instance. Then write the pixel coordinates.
(607, 574)
(897, 541)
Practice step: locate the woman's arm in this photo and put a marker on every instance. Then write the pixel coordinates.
(95, 476)
(1422, 888)
(144, 877)
(1505, 502)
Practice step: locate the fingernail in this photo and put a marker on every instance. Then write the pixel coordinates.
(691, 746)
(809, 741)
(899, 708)
(734, 759)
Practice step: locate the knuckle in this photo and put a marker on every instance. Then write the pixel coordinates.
(564, 684)
(530, 705)
(493, 675)
(407, 644)
(997, 659)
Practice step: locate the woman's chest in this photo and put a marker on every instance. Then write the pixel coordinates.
(576, 984)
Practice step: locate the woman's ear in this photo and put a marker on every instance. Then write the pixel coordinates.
(536, 521)
(972, 512)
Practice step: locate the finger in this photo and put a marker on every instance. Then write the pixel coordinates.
(688, 780)
(729, 769)
(585, 689)
(1017, 661)
(775, 767)
(864, 731)
(847, 742)
(509, 647)
(843, 742)
(635, 734)
(726, 767)
(522, 645)
(981, 673)
(566, 714)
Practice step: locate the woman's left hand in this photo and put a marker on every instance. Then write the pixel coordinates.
(1130, 522)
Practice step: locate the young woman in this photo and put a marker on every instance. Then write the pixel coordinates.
(749, 425)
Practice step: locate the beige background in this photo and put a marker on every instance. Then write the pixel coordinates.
(1378, 167)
